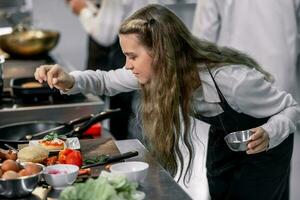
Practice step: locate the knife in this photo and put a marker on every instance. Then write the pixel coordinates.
(113, 158)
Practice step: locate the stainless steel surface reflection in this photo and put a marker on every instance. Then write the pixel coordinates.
(237, 141)
(19, 187)
(158, 184)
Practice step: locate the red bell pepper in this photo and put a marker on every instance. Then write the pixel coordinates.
(70, 156)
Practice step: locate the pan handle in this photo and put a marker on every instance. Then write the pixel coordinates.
(70, 125)
(80, 120)
(78, 131)
(122, 156)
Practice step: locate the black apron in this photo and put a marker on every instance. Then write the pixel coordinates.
(111, 58)
(236, 175)
(98, 56)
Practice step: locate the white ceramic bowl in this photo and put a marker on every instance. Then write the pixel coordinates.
(133, 170)
(61, 175)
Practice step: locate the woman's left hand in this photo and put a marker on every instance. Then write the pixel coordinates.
(259, 141)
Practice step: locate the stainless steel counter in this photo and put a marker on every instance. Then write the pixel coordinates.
(158, 184)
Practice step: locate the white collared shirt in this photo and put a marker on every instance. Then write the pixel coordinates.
(103, 24)
(245, 90)
(267, 30)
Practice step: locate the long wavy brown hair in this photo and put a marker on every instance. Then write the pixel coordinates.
(166, 99)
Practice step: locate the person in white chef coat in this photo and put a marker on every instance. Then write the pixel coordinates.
(181, 77)
(266, 30)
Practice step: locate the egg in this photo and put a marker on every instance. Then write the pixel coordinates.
(8, 165)
(32, 168)
(10, 175)
(23, 172)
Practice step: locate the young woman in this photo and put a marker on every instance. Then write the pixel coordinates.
(182, 77)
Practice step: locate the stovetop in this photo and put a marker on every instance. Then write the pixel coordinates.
(7, 100)
(18, 68)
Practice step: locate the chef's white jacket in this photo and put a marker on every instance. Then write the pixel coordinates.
(265, 29)
(103, 24)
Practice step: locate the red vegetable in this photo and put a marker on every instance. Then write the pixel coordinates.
(70, 156)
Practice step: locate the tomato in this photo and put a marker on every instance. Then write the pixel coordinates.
(70, 156)
(86, 171)
(51, 160)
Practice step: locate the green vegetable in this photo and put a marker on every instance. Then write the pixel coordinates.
(97, 159)
(51, 136)
(106, 187)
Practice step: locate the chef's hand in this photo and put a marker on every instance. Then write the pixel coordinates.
(55, 76)
(259, 141)
(77, 5)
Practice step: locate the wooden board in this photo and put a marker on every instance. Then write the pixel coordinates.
(95, 147)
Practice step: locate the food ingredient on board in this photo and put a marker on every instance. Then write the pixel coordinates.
(66, 156)
(51, 142)
(34, 154)
(70, 156)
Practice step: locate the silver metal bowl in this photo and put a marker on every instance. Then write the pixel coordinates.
(237, 141)
(20, 187)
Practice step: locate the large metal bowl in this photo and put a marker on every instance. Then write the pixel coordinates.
(29, 42)
(20, 187)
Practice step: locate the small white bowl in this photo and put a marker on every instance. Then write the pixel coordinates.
(61, 175)
(133, 170)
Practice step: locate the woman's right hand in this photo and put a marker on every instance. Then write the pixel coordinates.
(55, 76)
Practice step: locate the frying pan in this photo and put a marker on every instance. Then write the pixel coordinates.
(28, 93)
(16, 133)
